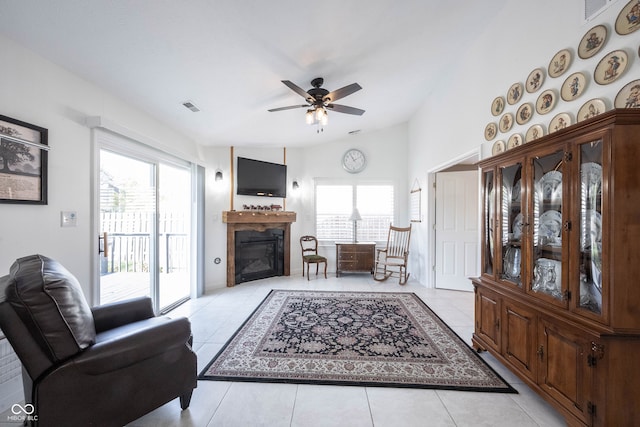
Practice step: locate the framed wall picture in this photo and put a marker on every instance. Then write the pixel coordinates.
(23, 162)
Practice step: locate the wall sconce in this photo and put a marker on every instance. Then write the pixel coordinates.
(295, 185)
(218, 175)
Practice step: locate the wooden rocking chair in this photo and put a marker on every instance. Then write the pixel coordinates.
(392, 260)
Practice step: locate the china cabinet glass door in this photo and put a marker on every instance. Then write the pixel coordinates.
(590, 227)
(511, 224)
(547, 214)
(489, 215)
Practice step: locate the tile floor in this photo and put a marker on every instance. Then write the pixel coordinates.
(216, 316)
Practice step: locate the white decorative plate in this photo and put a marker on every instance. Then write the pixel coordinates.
(591, 227)
(506, 122)
(592, 41)
(524, 113)
(546, 101)
(629, 95)
(535, 80)
(517, 227)
(515, 93)
(498, 147)
(550, 228)
(490, 131)
(591, 108)
(551, 185)
(533, 133)
(559, 122)
(514, 141)
(573, 86)
(560, 63)
(611, 67)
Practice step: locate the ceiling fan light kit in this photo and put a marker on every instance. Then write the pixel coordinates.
(319, 100)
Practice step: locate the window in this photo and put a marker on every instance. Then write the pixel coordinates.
(335, 203)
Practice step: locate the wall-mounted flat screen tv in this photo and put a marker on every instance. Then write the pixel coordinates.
(258, 178)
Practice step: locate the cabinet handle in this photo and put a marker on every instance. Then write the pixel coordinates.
(497, 324)
(540, 352)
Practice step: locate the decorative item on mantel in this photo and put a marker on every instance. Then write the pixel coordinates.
(262, 207)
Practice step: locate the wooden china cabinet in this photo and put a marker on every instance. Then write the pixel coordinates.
(558, 300)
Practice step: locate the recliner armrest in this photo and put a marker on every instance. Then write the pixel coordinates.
(133, 343)
(120, 313)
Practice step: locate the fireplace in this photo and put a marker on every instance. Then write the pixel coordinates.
(269, 233)
(259, 254)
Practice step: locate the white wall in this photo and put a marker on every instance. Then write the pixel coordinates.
(386, 153)
(39, 92)
(521, 37)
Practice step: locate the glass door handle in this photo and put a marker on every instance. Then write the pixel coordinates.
(103, 245)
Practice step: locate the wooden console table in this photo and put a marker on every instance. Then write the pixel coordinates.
(355, 257)
(258, 221)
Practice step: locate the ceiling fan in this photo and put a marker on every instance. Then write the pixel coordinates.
(319, 100)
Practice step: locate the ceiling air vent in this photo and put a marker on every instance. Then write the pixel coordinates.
(593, 8)
(191, 106)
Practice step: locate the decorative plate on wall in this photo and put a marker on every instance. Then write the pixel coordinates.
(497, 106)
(611, 67)
(546, 101)
(506, 122)
(524, 113)
(560, 121)
(573, 86)
(592, 42)
(533, 133)
(514, 141)
(629, 96)
(559, 63)
(498, 147)
(490, 131)
(515, 93)
(535, 80)
(591, 109)
(629, 18)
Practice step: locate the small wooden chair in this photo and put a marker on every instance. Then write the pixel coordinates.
(392, 260)
(309, 245)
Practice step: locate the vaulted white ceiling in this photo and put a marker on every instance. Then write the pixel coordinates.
(229, 56)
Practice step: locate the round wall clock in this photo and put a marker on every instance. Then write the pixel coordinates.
(354, 161)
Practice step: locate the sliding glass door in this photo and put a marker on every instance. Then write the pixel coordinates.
(145, 228)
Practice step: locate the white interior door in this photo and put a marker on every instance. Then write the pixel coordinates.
(456, 230)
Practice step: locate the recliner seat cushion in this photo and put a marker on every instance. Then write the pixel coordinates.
(49, 300)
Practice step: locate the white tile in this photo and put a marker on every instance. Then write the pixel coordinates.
(327, 406)
(407, 407)
(256, 404)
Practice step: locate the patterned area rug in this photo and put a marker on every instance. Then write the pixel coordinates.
(351, 338)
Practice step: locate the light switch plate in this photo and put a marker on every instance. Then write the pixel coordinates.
(68, 219)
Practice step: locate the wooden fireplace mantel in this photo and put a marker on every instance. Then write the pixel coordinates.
(258, 221)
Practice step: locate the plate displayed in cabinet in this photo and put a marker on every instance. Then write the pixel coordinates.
(591, 109)
(517, 226)
(591, 228)
(511, 265)
(515, 195)
(591, 176)
(551, 185)
(550, 228)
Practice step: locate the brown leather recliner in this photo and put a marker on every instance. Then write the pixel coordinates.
(104, 366)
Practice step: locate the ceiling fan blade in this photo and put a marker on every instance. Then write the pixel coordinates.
(345, 109)
(342, 92)
(297, 89)
(291, 107)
